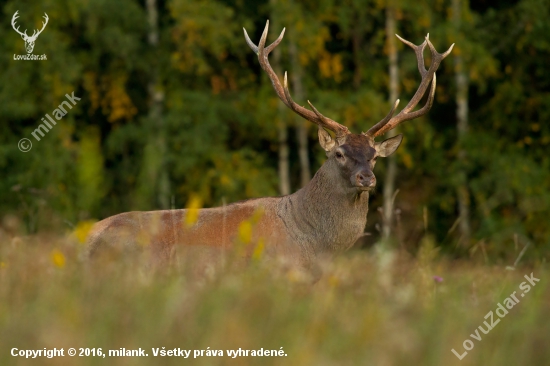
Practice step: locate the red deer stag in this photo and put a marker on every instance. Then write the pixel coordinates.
(327, 215)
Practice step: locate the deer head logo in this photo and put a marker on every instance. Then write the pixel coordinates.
(29, 41)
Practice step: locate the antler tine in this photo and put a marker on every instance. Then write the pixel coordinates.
(262, 54)
(263, 38)
(291, 104)
(43, 26)
(270, 47)
(339, 130)
(46, 18)
(444, 54)
(419, 52)
(428, 76)
(321, 117)
(283, 92)
(13, 21)
(14, 17)
(322, 121)
(383, 122)
(250, 43)
(412, 115)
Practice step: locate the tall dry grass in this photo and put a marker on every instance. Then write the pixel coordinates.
(375, 307)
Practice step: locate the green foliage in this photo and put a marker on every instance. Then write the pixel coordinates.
(91, 177)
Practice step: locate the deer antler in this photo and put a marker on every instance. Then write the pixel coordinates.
(24, 34)
(15, 16)
(36, 33)
(283, 92)
(390, 122)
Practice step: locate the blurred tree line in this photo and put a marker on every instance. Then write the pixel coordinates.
(175, 106)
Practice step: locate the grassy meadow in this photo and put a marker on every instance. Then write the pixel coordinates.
(174, 110)
(371, 307)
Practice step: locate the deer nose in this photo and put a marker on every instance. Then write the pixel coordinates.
(365, 179)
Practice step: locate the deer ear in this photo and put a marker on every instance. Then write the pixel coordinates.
(326, 141)
(388, 147)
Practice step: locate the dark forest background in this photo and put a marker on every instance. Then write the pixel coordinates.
(175, 108)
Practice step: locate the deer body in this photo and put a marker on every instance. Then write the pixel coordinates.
(298, 225)
(163, 230)
(326, 216)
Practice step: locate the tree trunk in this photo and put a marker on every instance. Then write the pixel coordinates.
(282, 129)
(462, 129)
(284, 175)
(302, 125)
(391, 173)
(356, 39)
(156, 100)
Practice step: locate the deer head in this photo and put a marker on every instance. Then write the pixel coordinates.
(354, 155)
(29, 40)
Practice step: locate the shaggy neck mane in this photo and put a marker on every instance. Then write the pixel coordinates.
(327, 210)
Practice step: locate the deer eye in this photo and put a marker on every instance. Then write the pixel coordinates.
(339, 155)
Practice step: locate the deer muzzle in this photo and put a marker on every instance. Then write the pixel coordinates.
(363, 179)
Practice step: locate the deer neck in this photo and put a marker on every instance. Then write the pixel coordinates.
(326, 214)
